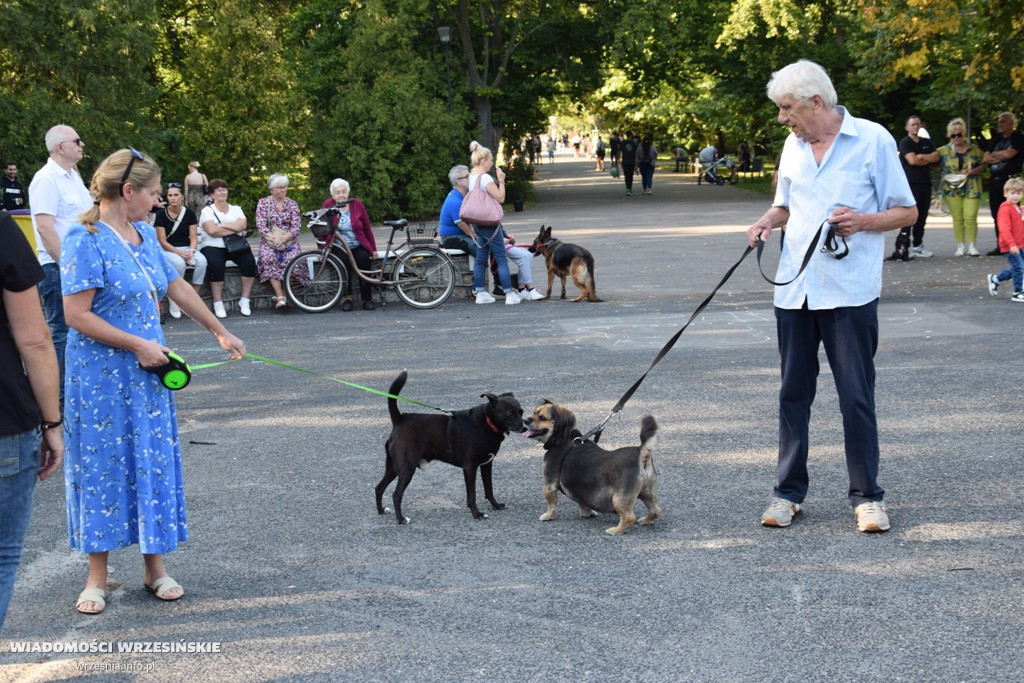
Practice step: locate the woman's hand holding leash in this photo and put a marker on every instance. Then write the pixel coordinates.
(151, 354)
(232, 344)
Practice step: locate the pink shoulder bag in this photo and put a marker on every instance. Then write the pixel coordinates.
(480, 208)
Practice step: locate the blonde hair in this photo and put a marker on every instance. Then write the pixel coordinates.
(106, 181)
(477, 153)
(956, 123)
(193, 165)
(1013, 184)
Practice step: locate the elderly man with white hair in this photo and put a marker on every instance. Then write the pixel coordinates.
(846, 171)
(58, 197)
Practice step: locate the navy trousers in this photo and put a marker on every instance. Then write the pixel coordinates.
(850, 338)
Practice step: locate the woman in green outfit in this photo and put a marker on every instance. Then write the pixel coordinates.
(961, 172)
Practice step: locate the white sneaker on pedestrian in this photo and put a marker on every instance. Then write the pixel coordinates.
(920, 252)
(993, 284)
(871, 517)
(530, 295)
(173, 309)
(218, 309)
(973, 251)
(1017, 298)
(511, 298)
(959, 250)
(243, 307)
(483, 297)
(780, 513)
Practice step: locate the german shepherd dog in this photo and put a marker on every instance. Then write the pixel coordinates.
(595, 479)
(564, 259)
(469, 439)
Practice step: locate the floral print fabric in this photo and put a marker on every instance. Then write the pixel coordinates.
(272, 262)
(122, 460)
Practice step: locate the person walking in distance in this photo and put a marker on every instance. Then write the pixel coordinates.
(823, 177)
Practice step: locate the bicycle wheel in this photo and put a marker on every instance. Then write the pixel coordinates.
(938, 207)
(312, 284)
(423, 278)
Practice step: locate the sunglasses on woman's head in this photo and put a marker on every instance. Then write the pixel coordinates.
(173, 186)
(136, 154)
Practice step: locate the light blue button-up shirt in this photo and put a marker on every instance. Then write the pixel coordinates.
(861, 171)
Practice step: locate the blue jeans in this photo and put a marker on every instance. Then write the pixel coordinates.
(469, 246)
(53, 308)
(1016, 271)
(646, 175)
(489, 242)
(19, 463)
(850, 337)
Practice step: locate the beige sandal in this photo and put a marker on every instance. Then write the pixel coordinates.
(161, 586)
(280, 302)
(97, 595)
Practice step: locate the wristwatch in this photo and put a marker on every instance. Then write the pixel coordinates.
(51, 425)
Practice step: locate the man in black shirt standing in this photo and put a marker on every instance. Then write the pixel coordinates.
(1005, 157)
(13, 192)
(630, 143)
(916, 155)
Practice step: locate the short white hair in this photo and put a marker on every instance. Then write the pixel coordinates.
(277, 180)
(456, 172)
(338, 183)
(802, 80)
(54, 136)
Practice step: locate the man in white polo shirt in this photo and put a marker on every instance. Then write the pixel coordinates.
(844, 170)
(58, 197)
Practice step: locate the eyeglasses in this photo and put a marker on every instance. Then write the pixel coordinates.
(956, 135)
(77, 141)
(173, 186)
(136, 154)
(462, 177)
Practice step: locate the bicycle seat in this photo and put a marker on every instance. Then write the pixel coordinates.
(398, 224)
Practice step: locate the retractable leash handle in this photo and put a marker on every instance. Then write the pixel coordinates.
(174, 374)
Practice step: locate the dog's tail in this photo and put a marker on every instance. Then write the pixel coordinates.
(588, 279)
(648, 440)
(394, 390)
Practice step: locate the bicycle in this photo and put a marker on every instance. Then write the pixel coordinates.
(422, 275)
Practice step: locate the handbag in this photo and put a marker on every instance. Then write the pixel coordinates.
(480, 208)
(614, 171)
(234, 243)
(955, 181)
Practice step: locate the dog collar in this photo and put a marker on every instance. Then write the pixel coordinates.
(491, 425)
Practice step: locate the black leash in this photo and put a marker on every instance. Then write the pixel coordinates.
(830, 246)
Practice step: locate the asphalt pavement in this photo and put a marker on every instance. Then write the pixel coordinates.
(291, 575)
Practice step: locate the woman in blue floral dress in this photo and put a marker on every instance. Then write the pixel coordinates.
(123, 459)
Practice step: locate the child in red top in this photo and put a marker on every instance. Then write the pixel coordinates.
(1011, 240)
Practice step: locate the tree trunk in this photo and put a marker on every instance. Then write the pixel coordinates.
(488, 137)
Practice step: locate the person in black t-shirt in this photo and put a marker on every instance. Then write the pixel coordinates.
(630, 143)
(31, 438)
(13, 192)
(177, 232)
(1005, 157)
(917, 154)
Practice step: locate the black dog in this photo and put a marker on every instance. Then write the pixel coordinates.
(902, 247)
(596, 479)
(469, 439)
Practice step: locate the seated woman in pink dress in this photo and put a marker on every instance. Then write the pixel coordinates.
(277, 219)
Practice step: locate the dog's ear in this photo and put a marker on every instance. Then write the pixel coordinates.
(547, 401)
(489, 396)
(565, 423)
(507, 394)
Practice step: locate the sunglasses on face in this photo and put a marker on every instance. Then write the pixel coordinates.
(136, 154)
(77, 141)
(956, 135)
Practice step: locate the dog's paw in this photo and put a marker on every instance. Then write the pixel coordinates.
(587, 513)
(479, 515)
(384, 511)
(614, 531)
(498, 506)
(404, 520)
(646, 521)
(547, 516)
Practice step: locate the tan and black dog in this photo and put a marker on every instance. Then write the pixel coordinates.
(469, 439)
(596, 479)
(564, 259)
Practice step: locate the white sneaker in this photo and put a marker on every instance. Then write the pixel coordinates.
(871, 517)
(959, 250)
(173, 309)
(973, 251)
(531, 295)
(511, 298)
(243, 307)
(993, 284)
(780, 513)
(218, 309)
(920, 252)
(483, 297)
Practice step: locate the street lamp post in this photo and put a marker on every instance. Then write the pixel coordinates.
(444, 32)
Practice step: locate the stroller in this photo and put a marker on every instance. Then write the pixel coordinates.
(711, 165)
